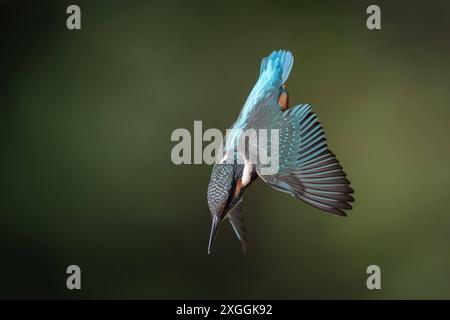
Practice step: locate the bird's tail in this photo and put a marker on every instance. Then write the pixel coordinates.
(278, 59)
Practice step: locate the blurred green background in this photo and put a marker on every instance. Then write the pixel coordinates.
(87, 179)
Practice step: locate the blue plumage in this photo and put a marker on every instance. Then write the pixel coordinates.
(307, 169)
(274, 72)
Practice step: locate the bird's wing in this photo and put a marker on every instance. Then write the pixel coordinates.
(307, 168)
(237, 221)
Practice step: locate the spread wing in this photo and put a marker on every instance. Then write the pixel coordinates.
(307, 168)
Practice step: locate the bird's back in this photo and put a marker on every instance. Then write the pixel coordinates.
(274, 72)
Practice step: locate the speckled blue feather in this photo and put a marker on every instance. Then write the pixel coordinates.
(274, 72)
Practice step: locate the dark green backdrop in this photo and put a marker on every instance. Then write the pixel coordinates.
(87, 179)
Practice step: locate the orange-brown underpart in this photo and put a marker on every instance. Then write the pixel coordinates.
(238, 188)
(283, 99)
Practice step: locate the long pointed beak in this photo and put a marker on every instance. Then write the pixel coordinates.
(212, 235)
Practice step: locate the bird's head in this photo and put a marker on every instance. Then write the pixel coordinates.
(223, 194)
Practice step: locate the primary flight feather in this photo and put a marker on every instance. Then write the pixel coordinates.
(307, 169)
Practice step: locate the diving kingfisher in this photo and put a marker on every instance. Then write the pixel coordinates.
(307, 169)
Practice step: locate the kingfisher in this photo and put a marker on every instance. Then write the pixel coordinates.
(307, 168)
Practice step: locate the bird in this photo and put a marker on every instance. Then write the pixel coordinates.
(308, 169)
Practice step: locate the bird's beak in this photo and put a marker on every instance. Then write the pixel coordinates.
(212, 235)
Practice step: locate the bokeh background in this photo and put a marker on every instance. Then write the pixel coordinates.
(87, 178)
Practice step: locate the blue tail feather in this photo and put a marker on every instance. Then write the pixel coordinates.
(278, 59)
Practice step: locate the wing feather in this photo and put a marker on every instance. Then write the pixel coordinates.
(308, 169)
